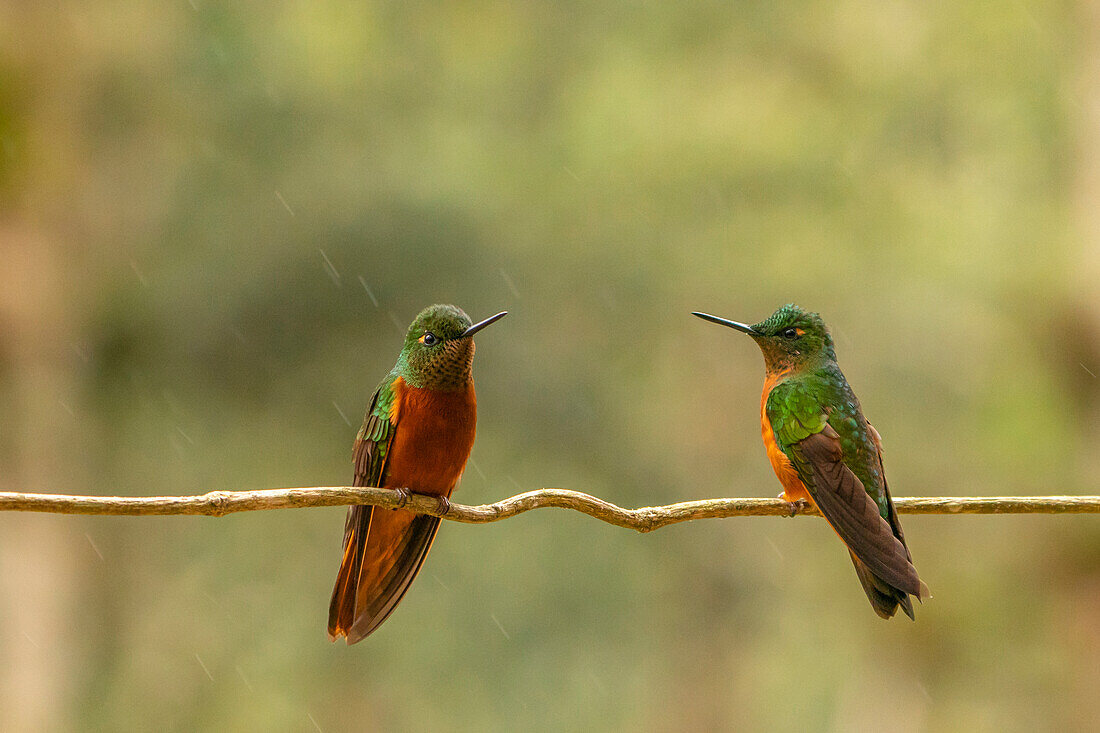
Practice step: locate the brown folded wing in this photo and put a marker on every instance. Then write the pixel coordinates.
(853, 513)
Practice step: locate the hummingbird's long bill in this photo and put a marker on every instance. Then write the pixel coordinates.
(726, 322)
(478, 326)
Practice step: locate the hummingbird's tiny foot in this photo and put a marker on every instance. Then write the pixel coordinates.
(793, 506)
(444, 505)
(404, 494)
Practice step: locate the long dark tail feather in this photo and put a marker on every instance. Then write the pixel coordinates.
(375, 603)
(341, 609)
(383, 552)
(884, 597)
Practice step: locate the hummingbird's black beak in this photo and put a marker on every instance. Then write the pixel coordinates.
(478, 326)
(726, 322)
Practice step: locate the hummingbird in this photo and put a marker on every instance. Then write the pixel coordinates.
(416, 437)
(824, 451)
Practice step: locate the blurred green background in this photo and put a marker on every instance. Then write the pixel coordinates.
(216, 219)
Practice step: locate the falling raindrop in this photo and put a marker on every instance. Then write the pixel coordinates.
(477, 468)
(363, 282)
(438, 580)
(96, 549)
(330, 268)
(140, 275)
(284, 203)
(342, 415)
(508, 281)
(500, 626)
(240, 673)
(204, 668)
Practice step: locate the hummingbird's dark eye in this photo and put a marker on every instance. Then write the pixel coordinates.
(790, 333)
(428, 339)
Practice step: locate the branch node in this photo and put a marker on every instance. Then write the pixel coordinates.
(219, 503)
(646, 520)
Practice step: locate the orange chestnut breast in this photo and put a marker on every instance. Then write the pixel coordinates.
(433, 437)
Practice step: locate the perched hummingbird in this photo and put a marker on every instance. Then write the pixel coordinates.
(417, 435)
(824, 451)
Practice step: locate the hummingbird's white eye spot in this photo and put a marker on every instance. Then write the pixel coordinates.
(428, 339)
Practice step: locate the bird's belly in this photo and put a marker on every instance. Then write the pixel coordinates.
(432, 441)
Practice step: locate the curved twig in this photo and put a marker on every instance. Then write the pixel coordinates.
(644, 519)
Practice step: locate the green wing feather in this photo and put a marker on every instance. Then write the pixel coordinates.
(795, 413)
(373, 439)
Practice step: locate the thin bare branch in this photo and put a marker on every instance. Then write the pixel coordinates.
(644, 519)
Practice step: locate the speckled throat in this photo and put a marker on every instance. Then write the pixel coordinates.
(451, 367)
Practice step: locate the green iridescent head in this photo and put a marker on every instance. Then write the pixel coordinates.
(439, 348)
(790, 338)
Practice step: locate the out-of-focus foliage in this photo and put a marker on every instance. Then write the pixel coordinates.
(216, 218)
